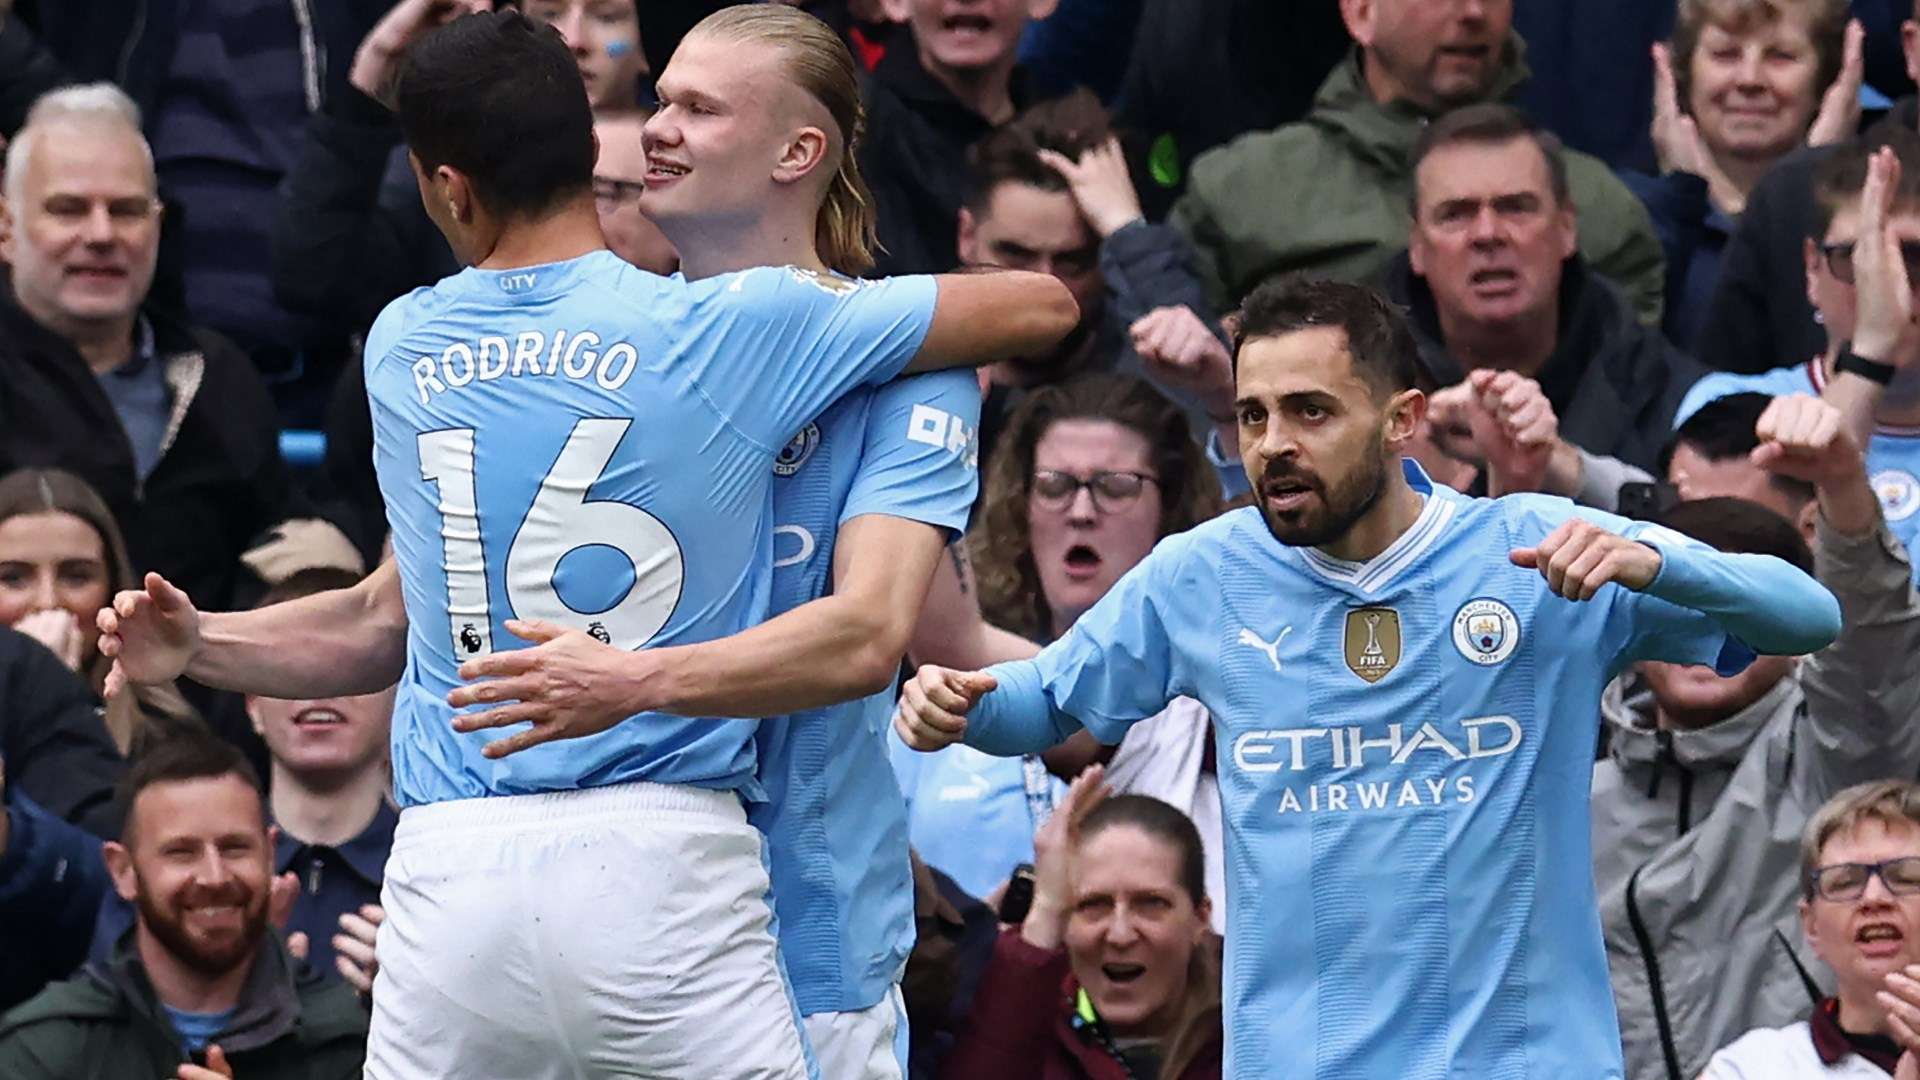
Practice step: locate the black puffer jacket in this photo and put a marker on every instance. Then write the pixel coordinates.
(1613, 383)
(219, 482)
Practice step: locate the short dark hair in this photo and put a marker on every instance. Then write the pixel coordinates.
(185, 755)
(1378, 337)
(1724, 428)
(1737, 525)
(1491, 123)
(1839, 176)
(1068, 126)
(499, 98)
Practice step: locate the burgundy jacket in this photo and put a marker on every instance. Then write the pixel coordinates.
(1021, 1025)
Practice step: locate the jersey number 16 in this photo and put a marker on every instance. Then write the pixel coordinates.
(561, 520)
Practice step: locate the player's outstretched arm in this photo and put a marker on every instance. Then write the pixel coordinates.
(340, 642)
(1764, 602)
(995, 315)
(838, 648)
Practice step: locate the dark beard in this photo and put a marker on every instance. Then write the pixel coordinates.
(169, 929)
(1345, 505)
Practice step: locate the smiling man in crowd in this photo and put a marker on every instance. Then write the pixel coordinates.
(201, 978)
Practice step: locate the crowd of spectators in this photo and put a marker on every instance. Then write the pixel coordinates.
(1620, 229)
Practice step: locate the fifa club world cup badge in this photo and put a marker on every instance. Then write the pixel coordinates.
(1486, 631)
(1372, 642)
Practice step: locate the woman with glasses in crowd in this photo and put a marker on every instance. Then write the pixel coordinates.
(1742, 84)
(1114, 974)
(61, 559)
(1089, 475)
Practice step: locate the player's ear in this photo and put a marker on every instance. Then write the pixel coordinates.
(452, 187)
(1406, 411)
(805, 153)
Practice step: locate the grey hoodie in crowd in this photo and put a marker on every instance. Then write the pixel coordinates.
(1696, 834)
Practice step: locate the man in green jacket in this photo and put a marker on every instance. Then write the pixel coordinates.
(1330, 193)
(201, 987)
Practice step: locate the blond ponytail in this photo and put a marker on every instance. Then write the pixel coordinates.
(846, 230)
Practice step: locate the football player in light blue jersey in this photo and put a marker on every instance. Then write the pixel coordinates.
(564, 438)
(865, 500)
(1404, 683)
(1893, 444)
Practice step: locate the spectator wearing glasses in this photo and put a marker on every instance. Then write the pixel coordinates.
(1092, 473)
(1835, 284)
(1709, 780)
(1860, 912)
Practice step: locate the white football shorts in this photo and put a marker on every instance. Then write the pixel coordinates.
(622, 931)
(870, 1044)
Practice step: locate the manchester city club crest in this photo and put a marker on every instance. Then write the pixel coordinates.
(1899, 493)
(1486, 631)
(797, 451)
(1372, 642)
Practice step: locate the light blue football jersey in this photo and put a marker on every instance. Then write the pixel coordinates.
(836, 828)
(1893, 454)
(1404, 749)
(591, 444)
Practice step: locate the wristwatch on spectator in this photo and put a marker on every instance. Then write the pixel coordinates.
(1861, 366)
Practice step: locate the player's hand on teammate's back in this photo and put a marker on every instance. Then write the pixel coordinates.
(1579, 557)
(934, 706)
(1805, 438)
(152, 633)
(568, 686)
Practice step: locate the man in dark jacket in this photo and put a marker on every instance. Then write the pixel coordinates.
(169, 423)
(942, 85)
(56, 762)
(1493, 281)
(1203, 74)
(201, 977)
(1051, 192)
(225, 87)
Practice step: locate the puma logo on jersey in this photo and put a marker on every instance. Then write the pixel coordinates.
(1272, 649)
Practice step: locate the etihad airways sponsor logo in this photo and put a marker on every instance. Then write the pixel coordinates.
(1321, 750)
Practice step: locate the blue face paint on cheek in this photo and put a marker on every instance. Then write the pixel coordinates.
(618, 49)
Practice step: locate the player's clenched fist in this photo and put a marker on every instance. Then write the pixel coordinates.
(934, 706)
(1805, 438)
(1579, 557)
(152, 634)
